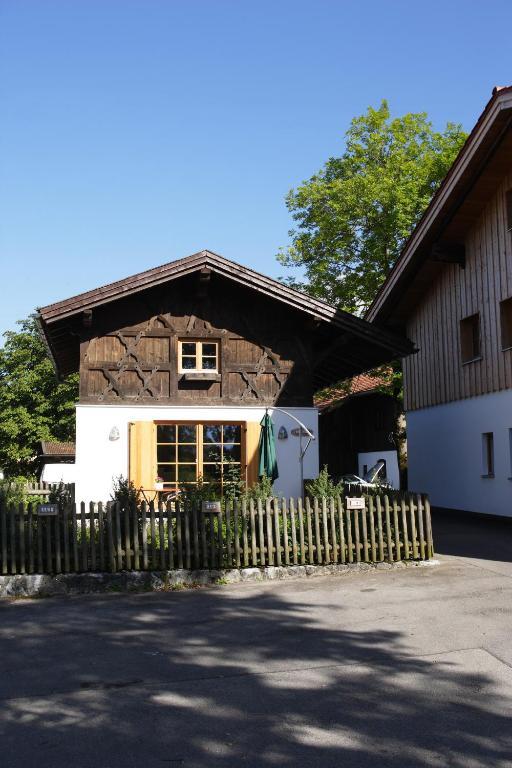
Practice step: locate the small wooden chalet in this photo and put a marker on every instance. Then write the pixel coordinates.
(178, 364)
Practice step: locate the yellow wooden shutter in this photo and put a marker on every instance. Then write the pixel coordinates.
(143, 470)
(252, 438)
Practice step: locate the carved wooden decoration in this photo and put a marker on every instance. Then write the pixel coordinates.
(139, 362)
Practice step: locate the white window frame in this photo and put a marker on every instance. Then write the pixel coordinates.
(199, 355)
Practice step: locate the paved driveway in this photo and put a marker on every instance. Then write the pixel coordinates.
(393, 668)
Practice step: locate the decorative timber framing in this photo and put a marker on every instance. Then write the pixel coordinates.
(276, 346)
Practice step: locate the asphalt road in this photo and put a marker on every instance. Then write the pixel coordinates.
(392, 668)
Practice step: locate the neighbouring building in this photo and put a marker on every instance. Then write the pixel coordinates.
(179, 363)
(357, 428)
(56, 462)
(450, 292)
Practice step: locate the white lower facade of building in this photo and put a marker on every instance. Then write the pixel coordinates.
(450, 453)
(100, 458)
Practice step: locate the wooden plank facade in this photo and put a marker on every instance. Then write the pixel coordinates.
(437, 373)
(132, 354)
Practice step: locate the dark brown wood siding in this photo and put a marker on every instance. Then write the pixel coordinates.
(265, 350)
(436, 374)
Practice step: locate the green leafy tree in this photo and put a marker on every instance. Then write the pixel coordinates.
(34, 405)
(355, 214)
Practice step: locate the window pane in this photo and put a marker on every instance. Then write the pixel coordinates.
(232, 433)
(209, 363)
(186, 452)
(188, 363)
(167, 472)
(231, 452)
(166, 453)
(186, 433)
(186, 472)
(209, 350)
(211, 473)
(211, 452)
(165, 433)
(211, 433)
(188, 348)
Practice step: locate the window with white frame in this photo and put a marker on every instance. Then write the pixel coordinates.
(198, 356)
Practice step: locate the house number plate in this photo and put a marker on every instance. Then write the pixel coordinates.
(355, 502)
(45, 510)
(211, 506)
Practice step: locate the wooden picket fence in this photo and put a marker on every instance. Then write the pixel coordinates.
(105, 537)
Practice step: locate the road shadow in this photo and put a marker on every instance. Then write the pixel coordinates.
(231, 677)
(468, 535)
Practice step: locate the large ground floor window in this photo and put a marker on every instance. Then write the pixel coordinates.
(189, 451)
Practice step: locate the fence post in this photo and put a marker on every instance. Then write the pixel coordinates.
(135, 528)
(3, 533)
(311, 551)
(161, 534)
(110, 539)
(327, 553)
(277, 531)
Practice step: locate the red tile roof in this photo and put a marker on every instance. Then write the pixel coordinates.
(50, 448)
(365, 382)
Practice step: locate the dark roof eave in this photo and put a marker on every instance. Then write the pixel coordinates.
(395, 346)
(405, 267)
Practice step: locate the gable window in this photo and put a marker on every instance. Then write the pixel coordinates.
(488, 454)
(197, 356)
(470, 338)
(508, 207)
(187, 452)
(506, 323)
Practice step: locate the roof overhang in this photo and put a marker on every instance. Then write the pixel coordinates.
(349, 344)
(440, 233)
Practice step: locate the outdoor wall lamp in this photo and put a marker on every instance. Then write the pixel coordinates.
(282, 434)
(113, 434)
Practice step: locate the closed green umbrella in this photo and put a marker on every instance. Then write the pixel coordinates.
(267, 449)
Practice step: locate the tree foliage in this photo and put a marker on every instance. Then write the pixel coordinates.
(34, 406)
(355, 214)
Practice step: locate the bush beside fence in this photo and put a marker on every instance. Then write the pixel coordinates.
(105, 537)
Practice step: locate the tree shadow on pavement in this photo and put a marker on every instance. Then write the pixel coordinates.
(231, 677)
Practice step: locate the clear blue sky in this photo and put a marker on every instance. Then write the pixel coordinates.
(134, 132)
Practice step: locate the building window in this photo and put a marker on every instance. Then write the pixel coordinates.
(187, 452)
(199, 356)
(470, 338)
(508, 206)
(506, 323)
(487, 454)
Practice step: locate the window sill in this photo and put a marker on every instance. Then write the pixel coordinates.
(473, 360)
(488, 477)
(200, 376)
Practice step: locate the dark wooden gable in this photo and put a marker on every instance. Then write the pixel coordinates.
(129, 352)
(277, 345)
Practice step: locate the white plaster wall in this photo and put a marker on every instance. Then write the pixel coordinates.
(99, 460)
(55, 473)
(390, 457)
(445, 453)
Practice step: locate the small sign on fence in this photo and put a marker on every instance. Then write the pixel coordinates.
(45, 510)
(355, 502)
(211, 506)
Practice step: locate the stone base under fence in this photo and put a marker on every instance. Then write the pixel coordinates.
(43, 585)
